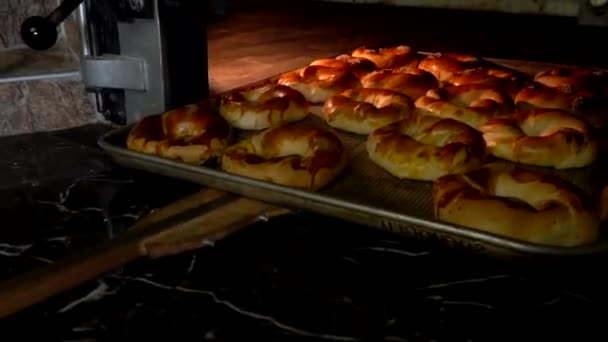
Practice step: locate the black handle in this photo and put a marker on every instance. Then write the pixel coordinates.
(40, 33)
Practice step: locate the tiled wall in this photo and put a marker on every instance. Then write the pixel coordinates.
(44, 105)
(40, 105)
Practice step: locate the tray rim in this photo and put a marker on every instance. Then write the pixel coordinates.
(228, 182)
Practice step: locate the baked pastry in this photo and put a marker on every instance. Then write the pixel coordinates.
(592, 108)
(295, 155)
(542, 137)
(192, 134)
(580, 90)
(411, 82)
(363, 110)
(504, 80)
(537, 95)
(424, 147)
(401, 56)
(263, 107)
(444, 65)
(592, 82)
(521, 204)
(472, 104)
(356, 65)
(317, 82)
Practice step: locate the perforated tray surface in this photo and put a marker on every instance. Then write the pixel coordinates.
(364, 193)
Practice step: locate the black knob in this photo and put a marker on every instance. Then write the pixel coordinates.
(39, 33)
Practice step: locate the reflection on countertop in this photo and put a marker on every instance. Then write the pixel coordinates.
(298, 277)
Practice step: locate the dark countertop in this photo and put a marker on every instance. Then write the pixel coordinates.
(291, 278)
(296, 278)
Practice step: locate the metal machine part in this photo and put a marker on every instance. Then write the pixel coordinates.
(593, 12)
(40, 33)
(139, 57)
(587, 12)
(144, 56)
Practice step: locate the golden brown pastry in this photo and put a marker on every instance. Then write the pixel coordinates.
(592, 108)
(356, 65)
(513, 202)
(540, 96)
(580, 90)
(401, 56)
(192, 134)
(575, 79)
(263, 107)
(363, 110)
(444, 65)
(295, 155)
(425, 147)
(317, 82)
(542, 137)
(504, 80)
(472, 104)
(411, 82)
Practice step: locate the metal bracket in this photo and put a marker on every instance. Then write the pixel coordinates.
(114, 72)
(141, 38)
(593, 12)
(144, 62)
(128, 79)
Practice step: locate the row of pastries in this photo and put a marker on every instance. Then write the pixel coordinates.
(439, 118)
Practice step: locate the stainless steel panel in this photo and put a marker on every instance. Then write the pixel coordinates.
(114, 72)
(142, 39)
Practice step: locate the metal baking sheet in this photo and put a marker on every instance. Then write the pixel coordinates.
(363, 193)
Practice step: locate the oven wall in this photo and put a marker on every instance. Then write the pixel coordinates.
(548, 7)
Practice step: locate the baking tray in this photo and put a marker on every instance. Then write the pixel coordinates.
(363, 193)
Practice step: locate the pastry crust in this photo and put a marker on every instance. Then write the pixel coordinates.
(592, 107)
(356, 65)
(504, 80)
(401, 56)
(318, 82)
(517, 203)
(425, 147)
(363, 110)
(294, 155)
(411, 82)
(192, 134)
(263, 107)
(444, 65)
(577, 79)
(542, 137)
(472, 104)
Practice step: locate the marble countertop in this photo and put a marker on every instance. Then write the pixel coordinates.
(294, 278)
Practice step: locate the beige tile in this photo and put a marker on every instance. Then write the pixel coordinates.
(59, 104)
(14, 115)
(34, 106)
(71, 30)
